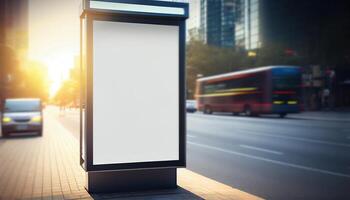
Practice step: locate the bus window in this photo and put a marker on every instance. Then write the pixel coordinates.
(286, 82)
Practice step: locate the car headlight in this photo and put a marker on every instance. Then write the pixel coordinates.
(6, 119)
(36, 119)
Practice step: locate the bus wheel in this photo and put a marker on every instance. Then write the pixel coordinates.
(247, 111)
(283, 115)
(207, 110)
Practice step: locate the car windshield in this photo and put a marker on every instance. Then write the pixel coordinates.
(190, 102)
(22, 105)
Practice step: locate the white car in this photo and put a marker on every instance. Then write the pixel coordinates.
(21, 116)
(191, 106)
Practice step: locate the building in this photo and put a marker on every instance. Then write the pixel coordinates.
(304, 26)
(193, 23)
(217, 22)
(14, 25)
(13, 44)
(247, 24)
(314, 32)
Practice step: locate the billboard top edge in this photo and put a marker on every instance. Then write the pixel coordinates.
(150, 7)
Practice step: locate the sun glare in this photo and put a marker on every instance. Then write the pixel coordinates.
(59, 70)
(54, 39)
(59, 62)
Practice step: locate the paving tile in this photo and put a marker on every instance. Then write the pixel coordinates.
(48, 168)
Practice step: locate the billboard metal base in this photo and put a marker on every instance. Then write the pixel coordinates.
(131, 180)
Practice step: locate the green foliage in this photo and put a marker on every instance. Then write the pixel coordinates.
(275, 54)
(8, 61)
(207, 60)
(35, 81)
(21, 81)
(68, 94)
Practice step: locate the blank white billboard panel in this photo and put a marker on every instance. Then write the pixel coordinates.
(135, 92)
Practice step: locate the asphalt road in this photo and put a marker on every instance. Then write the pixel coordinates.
(292, 158)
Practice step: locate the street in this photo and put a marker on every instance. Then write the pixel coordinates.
(294, 158)
(271, 157)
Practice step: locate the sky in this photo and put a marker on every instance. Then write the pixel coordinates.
(54, 36)
(193, 21)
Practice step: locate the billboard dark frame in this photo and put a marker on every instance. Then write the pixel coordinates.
(91, 15)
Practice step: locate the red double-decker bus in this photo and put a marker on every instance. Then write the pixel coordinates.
(264, 90)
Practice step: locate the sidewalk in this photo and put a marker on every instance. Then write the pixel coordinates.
(48, 168)
(323, 115)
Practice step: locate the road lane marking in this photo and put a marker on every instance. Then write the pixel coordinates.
(272, 161)
(297, 138)
(312, 140)
(191, 136)
(260, 149)
(294, 138)
(301, 139)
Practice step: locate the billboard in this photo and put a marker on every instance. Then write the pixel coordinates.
(136, 92)
(132, 85)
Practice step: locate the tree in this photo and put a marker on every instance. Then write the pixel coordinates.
(35, 81)
(277, 54)
(205, 60)
(69, 92)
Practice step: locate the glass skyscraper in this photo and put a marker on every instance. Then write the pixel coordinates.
(247, 24)
(217, 22)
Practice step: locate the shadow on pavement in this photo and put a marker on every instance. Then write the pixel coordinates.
(179, 193)
(20, 136)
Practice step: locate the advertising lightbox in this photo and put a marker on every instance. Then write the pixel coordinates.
(136, 92)
(133, 85)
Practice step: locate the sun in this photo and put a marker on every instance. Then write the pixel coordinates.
(59, 62)
(59, 67)
(54, 39)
